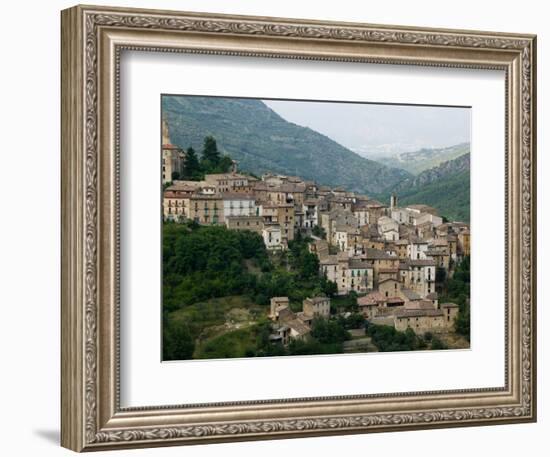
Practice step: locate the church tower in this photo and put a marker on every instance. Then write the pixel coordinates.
(165, 132)
(393, 202)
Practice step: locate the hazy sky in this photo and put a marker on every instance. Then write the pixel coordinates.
(371, 129)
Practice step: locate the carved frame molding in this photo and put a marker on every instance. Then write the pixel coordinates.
(92, 40)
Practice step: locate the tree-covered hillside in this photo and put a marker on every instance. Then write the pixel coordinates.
(445, 187)
(451, 196)
(262, 141)
(216, 288)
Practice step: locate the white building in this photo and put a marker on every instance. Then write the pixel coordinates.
(340, 237)
(420, 276)
(273, 238)
(388, 228)
(417, 249)
(348, 273)
(424, 218)
(401, 215)
(235, 204)
(310, 209)
(361, 212)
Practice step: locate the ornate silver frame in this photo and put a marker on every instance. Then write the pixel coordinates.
(92, 40)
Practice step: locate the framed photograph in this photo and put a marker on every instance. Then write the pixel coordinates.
(277, 228)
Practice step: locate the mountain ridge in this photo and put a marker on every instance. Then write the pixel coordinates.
(445, 187)
(263, 141)
(416, 162)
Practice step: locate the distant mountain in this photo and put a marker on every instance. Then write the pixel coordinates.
(441, 172)
(445, 187)
(262, 141)
(424, 159)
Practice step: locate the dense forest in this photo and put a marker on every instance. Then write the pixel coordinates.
(208, 271)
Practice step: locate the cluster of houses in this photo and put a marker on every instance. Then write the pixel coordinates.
(391, 256)
(289, 325)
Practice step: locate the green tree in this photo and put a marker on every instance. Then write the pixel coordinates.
(438, 344)
(354, 320)
(388, 339)
(456, 289)
(303, 261)
(329, 331)
(177, 341)
(210, 154)
(462, 322)
(319, 232)
(191, 166)
(440, 275)
(330, 288)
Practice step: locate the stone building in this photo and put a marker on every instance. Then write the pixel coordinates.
(206, 209)
(228, 182)
(464, 242)
(427, 319)
(316, 307)
(252, 223)
(172, 157)
(287, 325)
(420, 276)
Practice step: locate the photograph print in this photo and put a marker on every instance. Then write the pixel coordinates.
(301, 228)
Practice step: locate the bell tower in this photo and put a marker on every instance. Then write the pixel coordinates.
(165, 132)
(393, 201)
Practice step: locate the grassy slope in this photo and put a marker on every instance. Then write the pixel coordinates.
(207, 322)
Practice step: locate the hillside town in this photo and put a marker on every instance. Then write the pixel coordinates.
(391, 257)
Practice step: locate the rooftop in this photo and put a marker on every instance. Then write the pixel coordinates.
(218, 176)
(373, 298)
(406, 313)
(378, 254)
(236, 196)
(316, 300)
(421, 263)
(359, 264)
(298, 326)
(410, 294)
(171, 146)
(420, 304)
